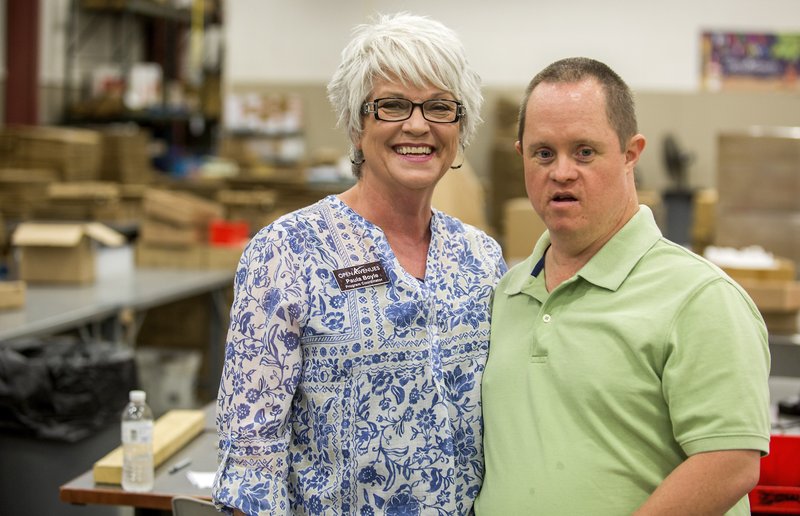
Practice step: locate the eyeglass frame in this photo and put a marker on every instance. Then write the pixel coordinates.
(372, 107)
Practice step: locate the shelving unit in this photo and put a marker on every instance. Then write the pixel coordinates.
(265, 128)
(186, 114)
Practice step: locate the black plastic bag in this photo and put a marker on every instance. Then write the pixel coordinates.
(62, 388)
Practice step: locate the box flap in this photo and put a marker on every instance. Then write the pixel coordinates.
(64, 235)
(41, 234)
(104, 234)
(83, 190)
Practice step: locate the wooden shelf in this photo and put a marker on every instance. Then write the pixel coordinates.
(147, 8)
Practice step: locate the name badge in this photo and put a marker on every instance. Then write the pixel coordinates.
(358, 276)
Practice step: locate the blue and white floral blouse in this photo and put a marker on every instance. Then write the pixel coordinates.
(357, 401)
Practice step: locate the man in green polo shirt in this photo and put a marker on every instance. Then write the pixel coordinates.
(625, 374)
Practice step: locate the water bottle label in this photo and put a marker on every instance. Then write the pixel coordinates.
(137, 432)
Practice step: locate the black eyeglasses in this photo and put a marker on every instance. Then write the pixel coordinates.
(440, 111)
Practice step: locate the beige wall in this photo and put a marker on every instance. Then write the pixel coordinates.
(694, 119)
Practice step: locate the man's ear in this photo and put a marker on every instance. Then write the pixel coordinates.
(518, 146)
(634, 150)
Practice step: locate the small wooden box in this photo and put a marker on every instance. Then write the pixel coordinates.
(12, 294)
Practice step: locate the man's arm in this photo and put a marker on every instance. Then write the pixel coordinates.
(705, 483)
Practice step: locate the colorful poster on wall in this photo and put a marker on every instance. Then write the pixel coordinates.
(750, 61)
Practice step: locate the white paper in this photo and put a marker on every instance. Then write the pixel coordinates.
(201, 479)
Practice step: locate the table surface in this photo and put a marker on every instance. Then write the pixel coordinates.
(51, 308)
(202, 451)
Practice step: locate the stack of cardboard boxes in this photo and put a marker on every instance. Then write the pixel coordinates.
(175, 229)
(74, 154)
(60, 173)
(460, 194)
(507, 180)
(257, 208)
(758, 179)
(81, 200)
(522, 228)
(22, 191)
(775, 293)
(126, 156)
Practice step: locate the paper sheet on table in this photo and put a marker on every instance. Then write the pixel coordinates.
(201, 479)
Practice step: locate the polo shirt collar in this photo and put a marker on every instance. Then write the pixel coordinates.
(610, 266)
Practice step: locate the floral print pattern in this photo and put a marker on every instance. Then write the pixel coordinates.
(360, 402)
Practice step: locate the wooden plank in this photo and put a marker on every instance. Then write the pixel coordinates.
(171, 432)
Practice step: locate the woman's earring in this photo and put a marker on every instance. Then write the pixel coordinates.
(455, 167)
(357, 158)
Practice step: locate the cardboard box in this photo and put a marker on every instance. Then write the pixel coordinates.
(131, 201)
(653, 200)
(180, 208)
(782, 323)
(704, 219)
(457, 186)
(256, 207)
(84, 191)
(73, 153)
(159, 233)
(81, 200)
(262, 200)
(126, 156)
(507, 180)
(758, 170)
(776, 232)
(61, 253)
(22, 191)
(523, 227)
(506, 117)
(772, 295)
(198, 256)
(12, 294)
(784, 270)
(224, 256)
(149, 255)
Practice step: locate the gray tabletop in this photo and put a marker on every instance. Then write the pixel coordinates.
(201, 453)
(50, 308)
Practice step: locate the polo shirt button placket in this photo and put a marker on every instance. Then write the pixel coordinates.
(546, 318)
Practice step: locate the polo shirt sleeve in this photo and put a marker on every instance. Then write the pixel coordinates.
(716, 369)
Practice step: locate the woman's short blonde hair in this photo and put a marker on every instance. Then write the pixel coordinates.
(415, 50)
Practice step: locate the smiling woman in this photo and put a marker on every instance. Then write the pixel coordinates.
(359, 330)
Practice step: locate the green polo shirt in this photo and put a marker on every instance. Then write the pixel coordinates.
(593, 393)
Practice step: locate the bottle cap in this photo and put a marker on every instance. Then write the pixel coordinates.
(137, 396)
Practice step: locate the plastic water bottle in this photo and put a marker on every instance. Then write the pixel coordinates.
(137, 444)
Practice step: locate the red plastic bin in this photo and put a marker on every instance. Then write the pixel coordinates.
(228, 232)
(778, 489)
